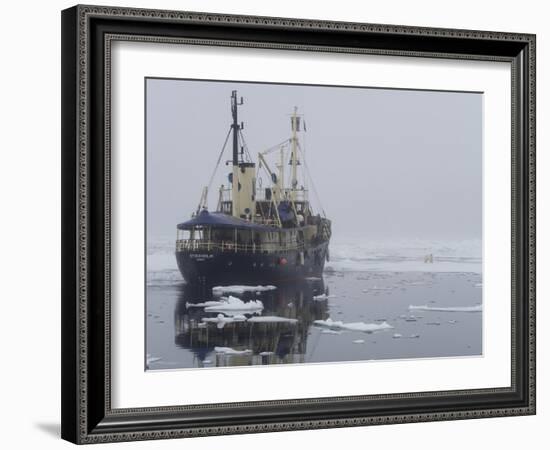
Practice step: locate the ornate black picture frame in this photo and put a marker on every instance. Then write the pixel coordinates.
(87, 34)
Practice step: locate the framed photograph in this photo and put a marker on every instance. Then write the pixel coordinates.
(278, 224)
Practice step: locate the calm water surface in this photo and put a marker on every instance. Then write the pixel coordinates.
(178, 337)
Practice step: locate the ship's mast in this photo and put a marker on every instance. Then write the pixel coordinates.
(294, 157)
(294, 160)
(282, 173)
(244, 172)
(235, 128)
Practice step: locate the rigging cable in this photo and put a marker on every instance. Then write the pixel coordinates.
(245, 146)
(218, 162)
(276, 147)
(312, 183)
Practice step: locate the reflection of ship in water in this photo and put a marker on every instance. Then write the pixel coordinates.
(276, 335)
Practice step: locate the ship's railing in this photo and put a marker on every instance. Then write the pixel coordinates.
(266, 221)
(225, 194)
(230, 246)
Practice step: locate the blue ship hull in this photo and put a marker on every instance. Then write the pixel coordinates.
(217, 267)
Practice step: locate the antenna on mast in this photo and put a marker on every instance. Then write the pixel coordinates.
(235, 126)
(295, 122)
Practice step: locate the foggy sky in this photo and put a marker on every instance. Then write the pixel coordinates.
(386, 163)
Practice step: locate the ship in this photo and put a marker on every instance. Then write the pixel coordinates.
(258, 233)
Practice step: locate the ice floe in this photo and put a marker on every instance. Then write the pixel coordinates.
(233, 304)
(163, 277)
(397, 336)
(322, 297)
(353, 326)
(151, 359)
(240, 289)
(338, 267)
(231, 351)
(329, 331)
(222, 320)
(271, 319)
(356, 252)
(203, 304)
(474, 308)
(359, 341)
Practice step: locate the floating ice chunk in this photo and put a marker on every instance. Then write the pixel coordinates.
(366, 327)
(353, 326)
(221, 317)
(240, 289)
(452, 322)
(323, 297)
(359, 341)
(221, 320)
(272, 319)
(231, 351)
(151, 359)
(235, 304)
(475, 308)
(414, 336)
(329, 331)
(203, 304)
(397, 336)
(266, 353)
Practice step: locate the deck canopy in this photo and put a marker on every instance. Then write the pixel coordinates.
(220, 220)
